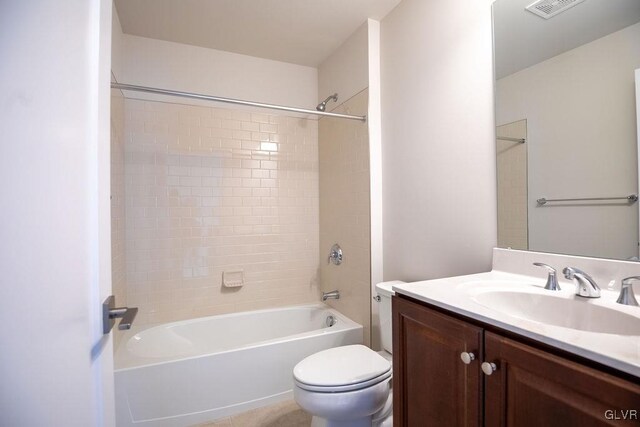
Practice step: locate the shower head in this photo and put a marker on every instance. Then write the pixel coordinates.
(323, 105)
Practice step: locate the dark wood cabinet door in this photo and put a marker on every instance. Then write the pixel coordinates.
(534, 388)
(431, 384)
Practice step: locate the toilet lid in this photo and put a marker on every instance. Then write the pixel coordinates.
(341, 366)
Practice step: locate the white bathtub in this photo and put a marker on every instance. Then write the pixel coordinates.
(188, 372)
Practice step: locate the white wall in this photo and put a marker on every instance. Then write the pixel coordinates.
(52, 114)
(438, 148)
(157, 63)
(374, 121)
(637, 82)
(116, 45)
(345, 71)
(581, 141)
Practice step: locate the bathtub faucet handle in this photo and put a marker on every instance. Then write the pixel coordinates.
(335, 255)
(110, 312)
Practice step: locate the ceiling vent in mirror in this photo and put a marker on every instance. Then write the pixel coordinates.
(548, 8)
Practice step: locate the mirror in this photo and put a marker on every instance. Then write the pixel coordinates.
(566, 126)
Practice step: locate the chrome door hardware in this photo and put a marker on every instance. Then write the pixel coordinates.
(335, 255)
(110, 312)
(552, 280)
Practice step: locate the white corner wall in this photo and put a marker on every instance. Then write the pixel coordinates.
(116, 44)
(374, 120)
(167, 65)
(345, 71)
(438, 147)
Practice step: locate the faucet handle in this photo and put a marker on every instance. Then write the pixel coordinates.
(547, 266)
(335, 255)
(552, 280)
(626, 292)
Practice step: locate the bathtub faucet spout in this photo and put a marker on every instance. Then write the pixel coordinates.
(331, 295)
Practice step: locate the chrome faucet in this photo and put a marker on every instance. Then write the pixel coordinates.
(585, 285)
(331, 295)
(626, 292)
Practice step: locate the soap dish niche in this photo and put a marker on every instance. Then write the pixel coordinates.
(233, 279)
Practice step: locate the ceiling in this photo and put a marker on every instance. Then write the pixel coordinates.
(303, 32)
(523, 39)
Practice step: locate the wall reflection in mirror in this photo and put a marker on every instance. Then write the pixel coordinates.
(567, 126)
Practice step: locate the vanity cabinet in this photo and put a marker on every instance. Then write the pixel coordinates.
(433, 386)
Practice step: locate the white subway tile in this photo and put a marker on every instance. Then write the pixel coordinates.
(259, 118)
(251, 126)
(207, 198)
(268, 128)
(190, 181)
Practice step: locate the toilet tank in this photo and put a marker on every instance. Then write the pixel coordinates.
(385, 293)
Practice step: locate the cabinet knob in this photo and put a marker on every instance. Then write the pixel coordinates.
(467, 357)
(488, 368)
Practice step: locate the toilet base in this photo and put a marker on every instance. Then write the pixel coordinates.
(387, 422)
(356, 408)
(383, 418)
(323, 422)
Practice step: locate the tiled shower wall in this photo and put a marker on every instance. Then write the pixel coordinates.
(210, 190)
(344, 210)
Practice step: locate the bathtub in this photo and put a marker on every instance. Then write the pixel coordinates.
(188, 372)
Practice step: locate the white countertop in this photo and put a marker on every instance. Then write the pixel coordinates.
(456, 294)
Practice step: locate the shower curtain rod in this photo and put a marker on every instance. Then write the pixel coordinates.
(124, 86)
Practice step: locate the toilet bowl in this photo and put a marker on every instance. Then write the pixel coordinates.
(342, 386)
(349, 386)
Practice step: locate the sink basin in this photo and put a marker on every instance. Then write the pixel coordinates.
(564, 311)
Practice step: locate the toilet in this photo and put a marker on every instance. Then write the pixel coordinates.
(350, 386)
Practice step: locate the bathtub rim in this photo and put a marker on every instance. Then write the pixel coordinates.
(345, 324)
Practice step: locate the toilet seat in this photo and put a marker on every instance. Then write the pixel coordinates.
(341, 369)
(343, 388)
